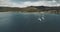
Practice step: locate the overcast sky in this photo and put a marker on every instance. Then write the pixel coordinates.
(24, 3)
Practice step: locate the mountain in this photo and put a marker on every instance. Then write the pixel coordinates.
(5, 9)
(32, 9)
(46, 7)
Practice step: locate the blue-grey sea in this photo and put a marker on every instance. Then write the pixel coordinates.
(29, 22)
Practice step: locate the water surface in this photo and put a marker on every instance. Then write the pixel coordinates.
(29, 22)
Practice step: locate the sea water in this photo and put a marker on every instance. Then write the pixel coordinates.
(29, 22)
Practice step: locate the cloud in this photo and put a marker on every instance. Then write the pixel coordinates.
(28, 3)
(5, 3)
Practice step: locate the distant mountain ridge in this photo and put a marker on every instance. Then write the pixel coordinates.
(32, 9)
(47, 7)
(37, 7)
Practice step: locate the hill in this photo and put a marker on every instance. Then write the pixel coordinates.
(32, 9)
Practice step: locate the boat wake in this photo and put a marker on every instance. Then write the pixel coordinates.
(41, 19)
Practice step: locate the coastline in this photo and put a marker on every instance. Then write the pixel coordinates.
(29, 12)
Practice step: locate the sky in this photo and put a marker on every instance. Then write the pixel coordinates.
(25, 3)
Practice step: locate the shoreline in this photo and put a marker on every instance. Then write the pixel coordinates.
(30, 12)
